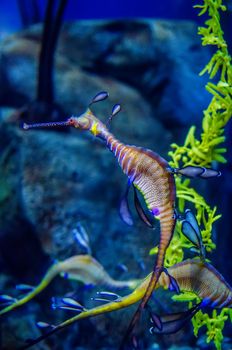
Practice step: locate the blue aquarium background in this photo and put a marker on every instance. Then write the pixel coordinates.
(147, 55)
(11, 19)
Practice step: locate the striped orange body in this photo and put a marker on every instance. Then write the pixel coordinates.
(202, 279)
(151, 175)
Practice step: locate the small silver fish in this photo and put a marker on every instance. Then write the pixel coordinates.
(73, 303)
(107, 297)
(7, 298)
(124, 209)
(115, 110)
(122, 267)
(101, 96)
(101, 300)
(192, 232)
(110, 295)
(197, 171)
(141, 264)
(82, 238)
(44, 325)
(24, 287)
(66, 304)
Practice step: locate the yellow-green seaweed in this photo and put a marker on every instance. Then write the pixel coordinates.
(203, 152)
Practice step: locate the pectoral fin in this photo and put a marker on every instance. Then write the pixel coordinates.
(138, 206)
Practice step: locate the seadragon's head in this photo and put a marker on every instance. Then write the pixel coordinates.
(86, 121)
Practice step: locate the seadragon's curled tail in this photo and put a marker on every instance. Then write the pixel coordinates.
(150, 174)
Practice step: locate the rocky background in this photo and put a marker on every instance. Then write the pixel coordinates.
(52, 180)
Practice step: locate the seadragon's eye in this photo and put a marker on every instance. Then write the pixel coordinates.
(72, 120)
(81, 122)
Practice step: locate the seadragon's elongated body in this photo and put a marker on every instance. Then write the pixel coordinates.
(150, 174)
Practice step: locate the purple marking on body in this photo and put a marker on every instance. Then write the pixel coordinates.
(155, 211)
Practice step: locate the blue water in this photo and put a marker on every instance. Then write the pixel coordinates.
(10, 17)
(59, 180)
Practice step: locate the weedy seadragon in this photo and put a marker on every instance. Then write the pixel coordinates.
(150, 174)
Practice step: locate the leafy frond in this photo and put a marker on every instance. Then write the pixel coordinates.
(204, 151)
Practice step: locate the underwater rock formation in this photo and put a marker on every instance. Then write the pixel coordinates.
(160, 58)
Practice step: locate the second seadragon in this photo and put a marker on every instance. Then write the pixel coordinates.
(151, 175)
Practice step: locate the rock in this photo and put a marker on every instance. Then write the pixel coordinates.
(17, 240)
(161, 59)
(14, 333)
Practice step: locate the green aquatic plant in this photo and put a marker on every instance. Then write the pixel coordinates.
(175, 252)
(203, 151)
(206, 149)
(214, 324)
